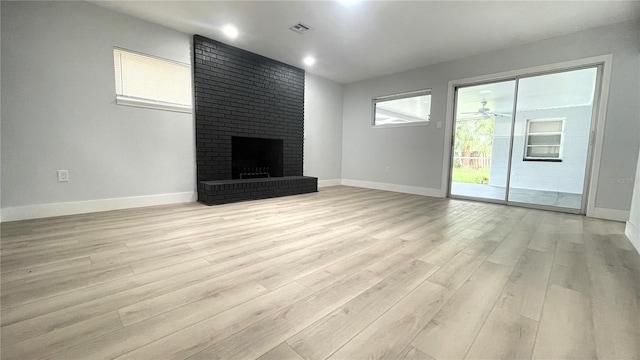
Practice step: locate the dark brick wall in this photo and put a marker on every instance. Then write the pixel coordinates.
(239, 93)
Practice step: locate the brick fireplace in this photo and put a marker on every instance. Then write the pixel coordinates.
(252, 106)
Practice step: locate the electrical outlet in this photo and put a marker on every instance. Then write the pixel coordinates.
(63, 175)
(386, 169)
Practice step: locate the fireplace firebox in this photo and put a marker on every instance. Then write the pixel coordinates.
(255, 157)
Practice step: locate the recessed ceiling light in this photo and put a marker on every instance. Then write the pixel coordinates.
(230, 31)
(309, 60)
(484, 91)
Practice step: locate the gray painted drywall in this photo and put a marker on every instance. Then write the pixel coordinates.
(566, 176)
(323, 128)
(415, 154)
(633, 225)
(634, 216)
(58, 109)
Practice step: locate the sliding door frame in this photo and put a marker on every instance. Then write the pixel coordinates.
(601, 96)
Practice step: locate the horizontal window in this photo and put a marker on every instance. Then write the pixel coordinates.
(544, 140)
(151, 82)
(402, 109)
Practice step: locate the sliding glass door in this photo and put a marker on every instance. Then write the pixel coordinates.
(551, 138)
(482, 137)
(525, 141)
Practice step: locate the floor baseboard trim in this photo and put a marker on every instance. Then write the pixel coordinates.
(609, 214)
(633, 234)
(394, 187)
(90, 206)
(331, 182)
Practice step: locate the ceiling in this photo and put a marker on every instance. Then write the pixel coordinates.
(367, 39)
(550, 91)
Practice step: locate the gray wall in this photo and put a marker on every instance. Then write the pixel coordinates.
(323, 128)
(562, 176)
(58, 108)
(633, 225)
(415, 154)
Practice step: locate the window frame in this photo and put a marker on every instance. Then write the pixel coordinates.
(398, 96)
(127, 100)
(560, 145)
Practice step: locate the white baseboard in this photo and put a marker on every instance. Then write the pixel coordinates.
(394, 187)
(609, 214)
(82, 207)
(331, 182)
(633, 234)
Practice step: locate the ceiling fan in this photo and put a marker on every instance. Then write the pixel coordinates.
(483, 112)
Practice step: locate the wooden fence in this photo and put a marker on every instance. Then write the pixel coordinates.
(472, 162)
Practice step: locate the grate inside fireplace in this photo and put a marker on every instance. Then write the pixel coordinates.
(254, 173)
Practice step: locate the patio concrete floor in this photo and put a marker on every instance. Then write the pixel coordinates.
(538, 197)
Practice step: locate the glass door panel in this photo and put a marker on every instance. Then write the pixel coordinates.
(551, 138)
(482, 138)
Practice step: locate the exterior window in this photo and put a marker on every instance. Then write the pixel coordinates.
(151, 82)
(544, 140)
(402, 109)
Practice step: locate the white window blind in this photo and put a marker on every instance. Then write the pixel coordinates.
(151, 82)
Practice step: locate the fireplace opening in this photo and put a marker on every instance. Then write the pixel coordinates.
(255, 157)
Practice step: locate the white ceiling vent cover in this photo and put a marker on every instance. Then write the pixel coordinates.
(300, 28)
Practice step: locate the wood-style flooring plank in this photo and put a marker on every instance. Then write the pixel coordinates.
(60, 302)
(204, 334)
(411, 353)
(59, 339)
(344, 268)
(444, 252)
(526, 288)
(142, 333)
(42, 270)
(276, 328)
(451, 332)
(614, 301)
(504, 335)
(511, 248)
(570, 269)
(566, 327)
(160, 304)
(456, 272)
(391, 333)
(22, 292)
(69, 315)
(325, 336)
(281, 352)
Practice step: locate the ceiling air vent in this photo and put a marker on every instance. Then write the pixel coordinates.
(300, 28)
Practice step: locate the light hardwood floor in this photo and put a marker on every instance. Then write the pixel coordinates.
(345, 273)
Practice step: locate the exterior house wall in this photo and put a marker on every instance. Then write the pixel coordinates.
(565, 176)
